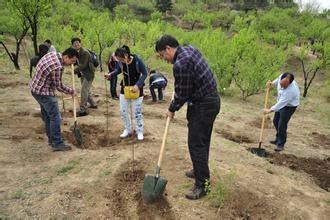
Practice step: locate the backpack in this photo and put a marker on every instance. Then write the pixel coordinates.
(112, 65)
(95, 59)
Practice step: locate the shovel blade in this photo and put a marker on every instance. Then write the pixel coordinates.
(77, 135)
(153, 188)
(259, 151)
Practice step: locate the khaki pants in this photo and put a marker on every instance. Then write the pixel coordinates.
(85, 96)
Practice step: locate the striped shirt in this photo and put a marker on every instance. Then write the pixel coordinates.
(193, 77)
(48, 76)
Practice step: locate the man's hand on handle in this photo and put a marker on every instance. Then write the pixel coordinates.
(170, 114)
(269, 83)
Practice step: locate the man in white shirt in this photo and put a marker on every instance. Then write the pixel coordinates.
(288, 95)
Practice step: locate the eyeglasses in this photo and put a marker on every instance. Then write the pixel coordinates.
(162, 53)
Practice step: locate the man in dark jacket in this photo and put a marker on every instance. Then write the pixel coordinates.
(85, 70)
(43, 49)
(195, 85)
(157, 81)
(112, 63)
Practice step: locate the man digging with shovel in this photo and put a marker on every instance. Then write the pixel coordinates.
(287, 101)
(47, 78)
(194, 84)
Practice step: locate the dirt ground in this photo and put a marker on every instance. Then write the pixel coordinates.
(102, 179)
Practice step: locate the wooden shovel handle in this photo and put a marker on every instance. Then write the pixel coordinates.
(264, 115)
(164, 139)
(163, 142)
(73, 96)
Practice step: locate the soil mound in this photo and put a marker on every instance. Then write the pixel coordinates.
(317, 168)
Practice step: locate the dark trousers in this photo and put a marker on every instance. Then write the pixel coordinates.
(160, 86)
(113, 86)
(280, 121)
(201, 116)
(51, 116)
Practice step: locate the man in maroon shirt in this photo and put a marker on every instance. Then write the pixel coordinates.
(47, 78)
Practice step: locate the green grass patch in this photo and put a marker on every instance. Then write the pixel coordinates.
(105, 173)
(19, 194)
(41, 181)
(68, 167)
(221, 187)
(185, 186)
(88, 196)
(326, 201)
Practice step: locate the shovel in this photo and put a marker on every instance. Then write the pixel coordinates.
(107, 101)
(154, 186)
(261, 152)
(76, 130)
(63, 103)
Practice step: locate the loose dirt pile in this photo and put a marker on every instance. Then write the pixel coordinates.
(320, 140)
(94, 137)
(317, 168)
(126, 199)
(238, 137)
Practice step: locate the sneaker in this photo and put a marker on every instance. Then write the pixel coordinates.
(115, 97)
(93, 106)
(61, 147)
(190, 174)
(81, 114)
(140, 136)
(273, 142)
(279, 148)
(196, 192)
(126, 133)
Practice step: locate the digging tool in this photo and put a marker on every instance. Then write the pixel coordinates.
(75, 130)
(107, 101)
(131, 114)
(154, 186)
(261, 152)
(63, 103)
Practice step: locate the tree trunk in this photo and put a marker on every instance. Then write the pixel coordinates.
(100, 56)
(305, 92)
(193, 26)
(34, 29)
(12, 56)
(15, 56)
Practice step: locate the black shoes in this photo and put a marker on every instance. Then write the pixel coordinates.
(196, 192)
(190, 174)
(273, 142)
(279, 148)
(81, 114)
(61, 147)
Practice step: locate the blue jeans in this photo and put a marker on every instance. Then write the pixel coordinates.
(201, 116)
(113, 85)
(158, 85)
(51, 116)
(127, 116)
(280, 121)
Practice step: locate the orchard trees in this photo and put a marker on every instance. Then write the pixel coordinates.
(31, 11)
